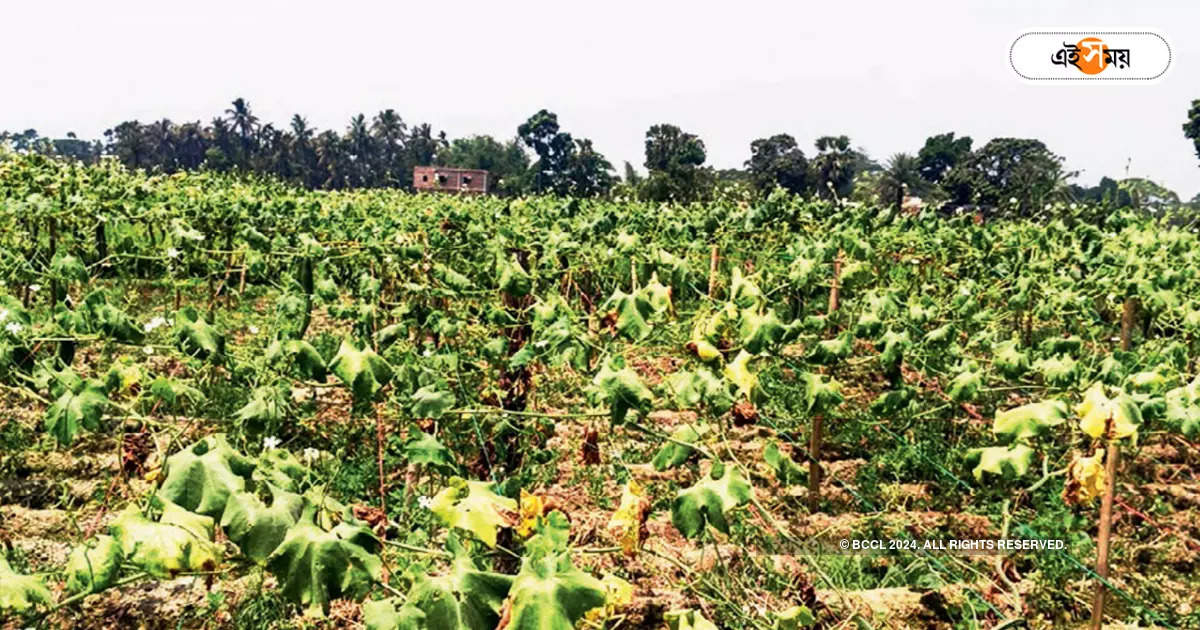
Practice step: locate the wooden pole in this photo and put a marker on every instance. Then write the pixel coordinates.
(379, 461)
(1110, 465)
(814, 465)
(712, 272)
(814, 444)
(833, 291)
(1127, 323)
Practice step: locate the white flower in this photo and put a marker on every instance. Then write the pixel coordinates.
(425, 502)
(172, 252)
(311, 454)
(253, 330)
(387, 259)
(12, 327)
(148, 349)
(3, 314)
(427, 352)
(154, 322)
(270, 442)
(35, 287)
(1012, 200)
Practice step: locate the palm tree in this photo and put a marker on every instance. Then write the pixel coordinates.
(361, 146)
(902, 176)
(389, 131)
(244, 122)
(304, 157)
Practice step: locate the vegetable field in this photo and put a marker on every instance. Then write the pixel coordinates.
(228, 403)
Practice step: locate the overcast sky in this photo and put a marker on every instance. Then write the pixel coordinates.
(886, 73)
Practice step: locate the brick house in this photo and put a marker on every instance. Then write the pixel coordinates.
(443, 179)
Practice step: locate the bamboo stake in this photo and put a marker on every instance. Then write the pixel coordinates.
(1127, 323)
(814, 466)
(814, 445)
(1102, 542)
(712, 272)
(379, 461)
(833, 291)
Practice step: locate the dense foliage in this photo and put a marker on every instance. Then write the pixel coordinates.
(469, 412)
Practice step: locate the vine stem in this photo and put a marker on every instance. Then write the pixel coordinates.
(81, 596)
(530, 414)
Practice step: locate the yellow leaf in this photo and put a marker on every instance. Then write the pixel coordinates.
(1086, 479)
(617, 594)
(626, 523)
(1097, 408)
(738, 372)
(531, 510)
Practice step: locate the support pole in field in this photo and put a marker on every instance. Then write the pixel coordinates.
(814, 465)
(1127, 314)
(712, 272)
(1102, 540)
(833, 288)
(814, 444)
(379, 461)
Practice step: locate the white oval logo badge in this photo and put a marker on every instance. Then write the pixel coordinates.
(1090, 55)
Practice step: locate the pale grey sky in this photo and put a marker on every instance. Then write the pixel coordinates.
(886, 73)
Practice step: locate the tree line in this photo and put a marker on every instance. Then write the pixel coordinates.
(1018, 174)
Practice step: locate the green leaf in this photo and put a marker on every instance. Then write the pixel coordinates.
(760, 330)
(630, 312)
(687, 620)
(268, 407)
(474, 507)
(171, 392)
(1030, 421)
(201, 477)
(964, 386)
(315, 566)
(700, 387)
(1060, 371)
(621, 388)
(109, 320)
(94, 565)
(425, 449)
(795, 618)
(465, 598)
(430, 402)
(549, 593)
(196, 337)
(256, 527)
(893, 401)
(382, 614)
(1183, 408)
(80, 407)
(1011, 362)
(1000, 460)
(162, 549)
(821, 394)
(787, 471)
(674, 453)
(709, 500)
(831, 351)
(280, 468)
(19, 593)
(363, 371)
(514, 280)
(297, 356)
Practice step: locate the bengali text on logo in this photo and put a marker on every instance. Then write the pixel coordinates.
(1090, 55)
